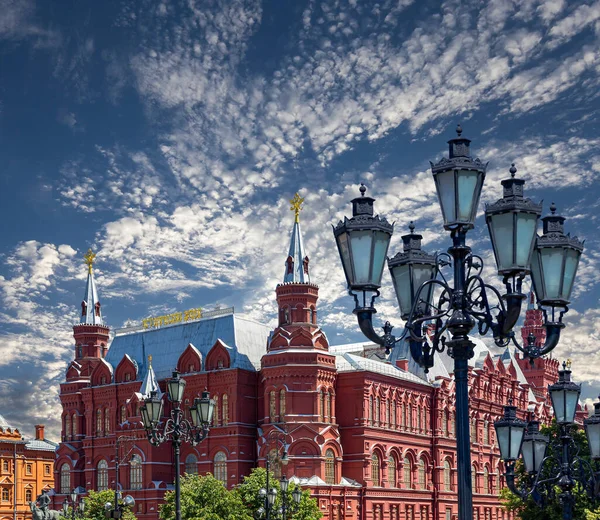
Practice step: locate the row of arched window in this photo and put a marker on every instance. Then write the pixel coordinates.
(136, 472)
(326, 405)
(221, 411)
(387, 413)
(277, 413)
(298, 314)
(394, 473)
(70, 429)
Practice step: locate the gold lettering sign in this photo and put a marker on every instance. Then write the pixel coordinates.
(171, 319)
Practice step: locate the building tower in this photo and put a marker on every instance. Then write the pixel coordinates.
(298, 377)
(543, 371)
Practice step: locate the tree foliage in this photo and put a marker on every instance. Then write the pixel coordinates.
(94, 506)
(205, 498)
(551, 507)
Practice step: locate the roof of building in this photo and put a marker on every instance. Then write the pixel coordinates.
(297, 274)
(43, 445)
(245, 339)
(90, 315)
(4, 423)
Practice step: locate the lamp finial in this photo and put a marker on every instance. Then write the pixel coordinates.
(458, 129)
(512, 170)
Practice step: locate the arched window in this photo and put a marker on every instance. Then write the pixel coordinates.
(321, 405)
(486, 433)
(65, 478)
(216, 418)
(106, 421)
(375, 477)
(328, 407)
(102, 476)
(98, 422)
(225, 412)
(123, 414)
(419, 423)
(135, 472)
(220, 467)
(74, 425)
(447, 476)
(407, 469)
(388, 412)
(445, 423)
(486, 480)
(67, 426)
(5, 466)
(330, 466)
(370, 410)
(282, 404)
(404, 423)
(453, 423)
(473, 429)
(410, 417)
(377, 411)
(474, 478)
(392, 476)
(191, 464)
(28, 495)
(272, 406)
(421, 470)
(393, 419)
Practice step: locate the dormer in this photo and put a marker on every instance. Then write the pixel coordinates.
(218, 356)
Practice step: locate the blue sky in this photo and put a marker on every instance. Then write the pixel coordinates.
(170, 136)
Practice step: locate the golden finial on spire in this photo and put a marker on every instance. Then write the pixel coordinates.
(296, 205)
(150, 359)
(568, 364)
(89, 259)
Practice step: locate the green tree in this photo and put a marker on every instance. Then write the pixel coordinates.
(204, 498)
(583, 508)
(248, 490)
(94, 506)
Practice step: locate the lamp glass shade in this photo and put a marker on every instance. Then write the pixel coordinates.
(272, 496)
(534, 451)
(553, 271)
(153, 408)
(592, 430)
(194, 414)
(284, 483)
(73, 496)
(129, 501)
(344, 249)
(363, 255)
(564, 403)
(176, 387)
(513, 237)
(145, 417)
(297, 495)
(407, 279)
(82, 506)
(206, 408)
(510, 432)
(65, 506)
(458, 192)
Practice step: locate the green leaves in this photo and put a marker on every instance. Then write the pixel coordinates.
(94, 506)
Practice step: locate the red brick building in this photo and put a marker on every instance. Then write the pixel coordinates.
(373, 438)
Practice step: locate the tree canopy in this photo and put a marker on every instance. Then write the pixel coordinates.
(94, 506)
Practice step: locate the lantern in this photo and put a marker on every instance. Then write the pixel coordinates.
(176, 386)
(565, 396)
(409, 270)
(534, 447)
(284, 483)
(510, 431)
(205, 408)
(512, 224)
(458, 182)
(297, 494)
(554, 262)
(151, 410)
(592, 430)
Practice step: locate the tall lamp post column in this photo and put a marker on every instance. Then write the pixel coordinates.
(466, 300)
(176, 428)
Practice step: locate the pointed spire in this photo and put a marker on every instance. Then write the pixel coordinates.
(150, 384)
(531, 306)
(296, 268)
(91, 314)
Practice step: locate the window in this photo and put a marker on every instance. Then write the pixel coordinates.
(404, 424)
(220, 469)
(328, 407)
(65, 478)
(106, 421)
(191, 464)
(453, 423)
(421, 469)
(4, 465)
(102, 476)
(216, 411)
(103, 380)
(74, 425)
(370, 409)
(282, 404)
(135, 472)
(392, 471)
(377, 411)
(5, 495)
(123, 414)
(393, 419)
(98, 422)
(47, 469)
(486, 480)
(330, 466)
(272, 406)
(67, 426)
(486, 433)
(410, 419)
(321, 406)
(473, 430)
(419, 423)
(127, 376)
(388, 412)
(445, 423)
(28, 468)
(448, 513)
(447, 476)
(407, 473)
(474, 479)
(225, 410)
(28, 495)
(375, 477)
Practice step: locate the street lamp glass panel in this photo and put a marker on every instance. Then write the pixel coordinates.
(73, 496)
(552, 263)
(501, 231)
(525, 238)
(564, 402)
(206, 408)
(446, 193)
(571, 264)
(534, 450)
(458, 193)
(129, 501)
(510, 431)
(176, 386)
(262, 492)
(380, 249)
(468, 194)
(153, 406)
(65, 506)
(285, 459)
(82, 506)
(284, 483)
(408, 278)
(344, 249)
(145, 417)
(592, 430)
(195, 414)
(297, 495)
(272, 496)
(361, 243)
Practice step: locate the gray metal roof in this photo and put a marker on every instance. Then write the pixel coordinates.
(297, 253)
(246, 341)
(349, 362)
(91, 298)
(35, 444)
(4, 423)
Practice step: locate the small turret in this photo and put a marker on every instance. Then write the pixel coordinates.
(91, 313)
(296, 265)
(150, 384)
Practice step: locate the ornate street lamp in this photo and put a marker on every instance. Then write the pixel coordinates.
(77, 505)
(563, 467)
(118, 509)
(176, 428)
(456, 307)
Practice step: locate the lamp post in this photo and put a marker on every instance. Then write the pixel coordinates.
(119, 507)
(563, 467)
(177, 429)
(77, 505)
(363, 241)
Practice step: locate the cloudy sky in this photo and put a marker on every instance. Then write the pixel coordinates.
(169, 136)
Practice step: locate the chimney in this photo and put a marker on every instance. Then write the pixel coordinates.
(402, 364)
(39, 432)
